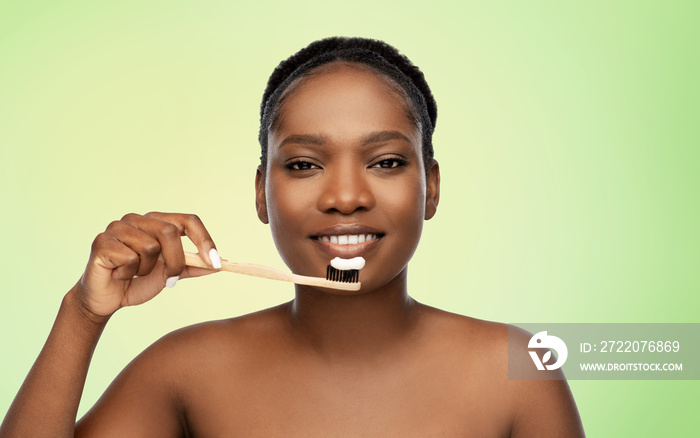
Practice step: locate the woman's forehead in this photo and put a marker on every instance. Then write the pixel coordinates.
(344, 102)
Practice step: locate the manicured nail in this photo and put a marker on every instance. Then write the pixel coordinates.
(170, 282)
(215, 259)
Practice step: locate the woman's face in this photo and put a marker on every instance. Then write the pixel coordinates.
(345, 177)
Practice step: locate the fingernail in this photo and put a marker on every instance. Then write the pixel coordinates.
(170, 282)
(215, 259)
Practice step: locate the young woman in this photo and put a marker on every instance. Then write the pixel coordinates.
(347, 170)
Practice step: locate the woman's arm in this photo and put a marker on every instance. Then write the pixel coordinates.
(541, 408)
(129, 264)
(47, 402)
(546, 408)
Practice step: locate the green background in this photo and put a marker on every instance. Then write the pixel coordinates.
(567, 135)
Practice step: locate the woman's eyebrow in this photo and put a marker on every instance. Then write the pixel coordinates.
(304, 139)
(384, 136)
(320, 140)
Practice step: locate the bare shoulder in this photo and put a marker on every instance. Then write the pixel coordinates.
(479, 349)
(468, 333)
(151, 395)
(200, 346)
(221, 336)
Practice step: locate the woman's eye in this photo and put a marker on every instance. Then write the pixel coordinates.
(300, 165)
(390, 163)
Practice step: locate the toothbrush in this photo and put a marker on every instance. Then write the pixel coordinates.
(345, 270)
(340, 282)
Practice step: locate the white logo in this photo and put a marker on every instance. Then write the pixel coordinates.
(541, 340)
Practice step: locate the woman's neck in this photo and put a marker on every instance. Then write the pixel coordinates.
(360, 326)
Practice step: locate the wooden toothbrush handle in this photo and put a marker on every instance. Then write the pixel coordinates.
(192, 259)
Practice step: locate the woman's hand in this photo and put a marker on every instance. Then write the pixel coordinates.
(135, 257)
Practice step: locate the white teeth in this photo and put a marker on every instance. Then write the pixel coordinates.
(348, 239)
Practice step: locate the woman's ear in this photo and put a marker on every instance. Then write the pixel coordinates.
(260, 200)
(432, 190)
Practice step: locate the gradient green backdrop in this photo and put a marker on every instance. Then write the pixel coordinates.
(567, 135)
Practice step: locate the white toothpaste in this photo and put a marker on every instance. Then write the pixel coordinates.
(347, 264)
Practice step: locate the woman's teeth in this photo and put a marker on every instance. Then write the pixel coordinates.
(348, 239)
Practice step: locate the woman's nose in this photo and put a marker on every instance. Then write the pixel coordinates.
(345, 191)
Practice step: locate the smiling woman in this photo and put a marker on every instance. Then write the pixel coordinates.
(347, 170)
(362, 174)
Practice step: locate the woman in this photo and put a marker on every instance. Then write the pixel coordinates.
(347, 170)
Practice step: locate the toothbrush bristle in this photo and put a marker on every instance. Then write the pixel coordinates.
(346, 276)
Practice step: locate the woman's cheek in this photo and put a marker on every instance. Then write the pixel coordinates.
(405, 199)
(284, 204)
(288, 196)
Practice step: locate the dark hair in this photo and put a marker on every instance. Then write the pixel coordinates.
(378, 56)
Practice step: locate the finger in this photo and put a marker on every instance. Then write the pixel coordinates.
(148, 282)
(191, 225)
(109, 253)
(168, 236)
(143, 244)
